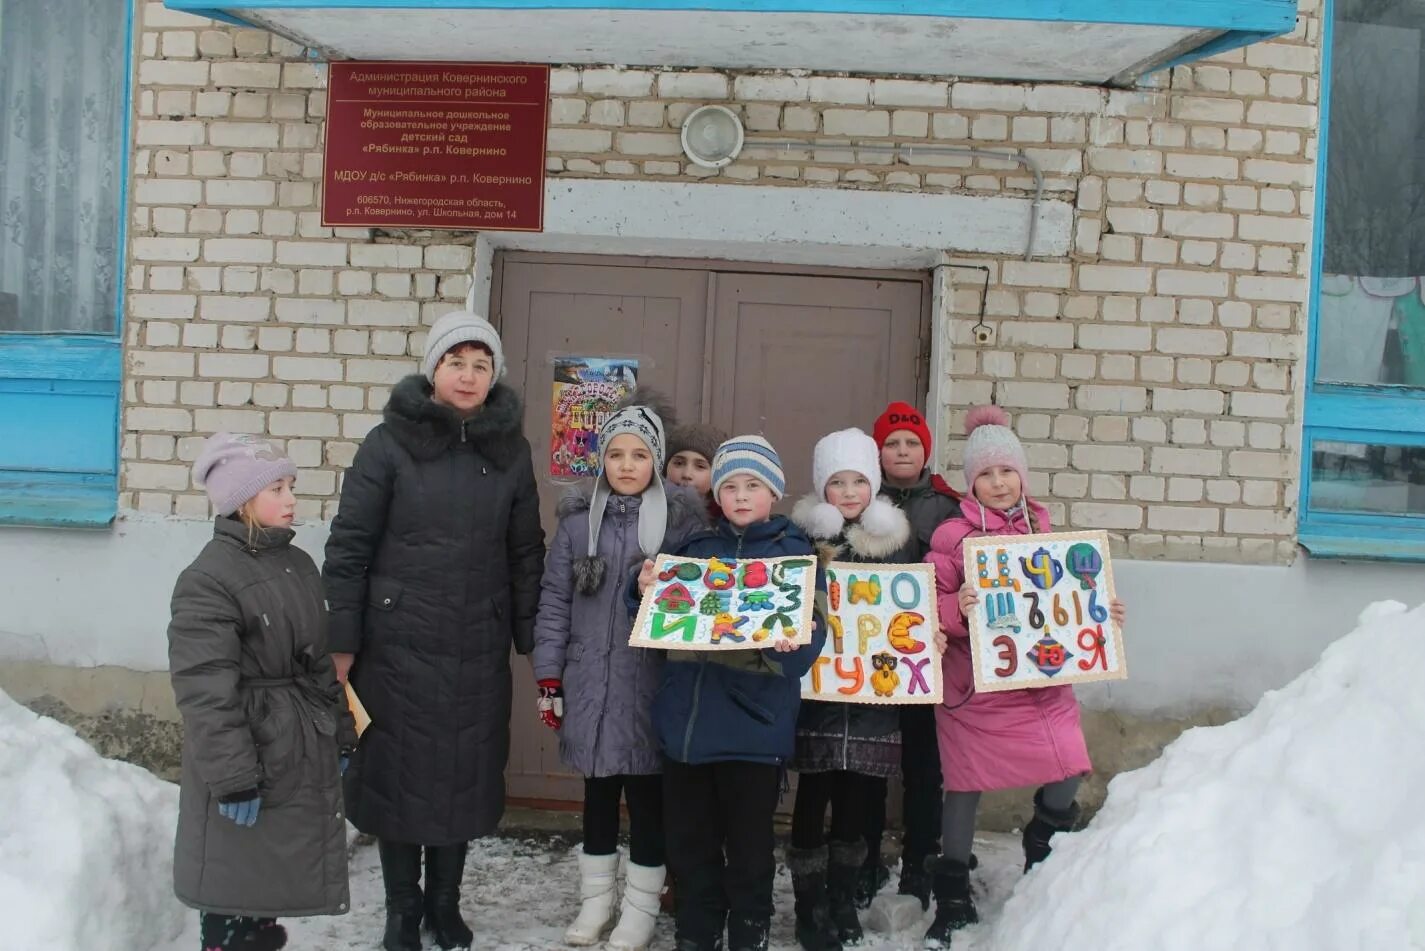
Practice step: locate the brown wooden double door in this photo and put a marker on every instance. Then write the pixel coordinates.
(792, 356)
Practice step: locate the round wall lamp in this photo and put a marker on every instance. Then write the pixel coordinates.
(712, 136)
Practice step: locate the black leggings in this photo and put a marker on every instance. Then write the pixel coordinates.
(845, 792)
(645, 816)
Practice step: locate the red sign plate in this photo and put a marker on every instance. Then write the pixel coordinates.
(435, 145)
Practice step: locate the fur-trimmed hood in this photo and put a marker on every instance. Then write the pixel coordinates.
(426, 428)
(881, 531)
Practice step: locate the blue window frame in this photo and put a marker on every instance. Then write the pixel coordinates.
(65, 96)
(1363, 443)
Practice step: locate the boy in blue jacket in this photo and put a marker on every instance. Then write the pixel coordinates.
(726, 722)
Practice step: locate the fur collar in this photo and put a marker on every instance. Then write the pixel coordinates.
(426, 429)
(880, 532)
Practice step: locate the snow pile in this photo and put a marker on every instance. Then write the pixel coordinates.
(1300, 826)
(86, 843)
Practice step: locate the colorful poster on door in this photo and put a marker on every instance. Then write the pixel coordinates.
(1043, 617)
(714, 604)
(586, 390)
(880, 646)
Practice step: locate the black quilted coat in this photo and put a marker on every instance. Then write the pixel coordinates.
(432, 572)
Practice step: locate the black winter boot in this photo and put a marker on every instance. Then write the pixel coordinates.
(690, 944)
(869, 880)
(915, 880)
(401, 872)
(954, 907)
(815, 931)
(747, 934)
(445, 867)
(266, 935)
(1042, 827)
(842, 870)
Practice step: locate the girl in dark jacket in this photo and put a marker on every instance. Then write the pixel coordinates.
(596, 689)
(432, 572)
(260, 827)
(928, 501)
(844, 751)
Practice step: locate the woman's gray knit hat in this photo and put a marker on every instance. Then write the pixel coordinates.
(459, 327)
(638, 414)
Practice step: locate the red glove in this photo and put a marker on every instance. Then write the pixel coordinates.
(551, 702)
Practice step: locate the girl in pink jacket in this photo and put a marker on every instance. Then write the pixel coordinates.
(994, 740)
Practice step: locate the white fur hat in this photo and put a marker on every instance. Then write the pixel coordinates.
(847, 450)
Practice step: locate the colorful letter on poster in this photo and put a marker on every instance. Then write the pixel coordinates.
(881, 647)
(586, 390)
(713, 604)
(1043, 617)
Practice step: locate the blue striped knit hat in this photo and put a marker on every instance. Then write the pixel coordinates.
(749, 455)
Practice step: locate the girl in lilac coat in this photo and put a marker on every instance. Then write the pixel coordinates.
(594, 688)
(1005, 739)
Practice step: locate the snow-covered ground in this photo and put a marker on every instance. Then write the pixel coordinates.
(519, 893)
(86, 865)
(86, 844)
(1298, 827)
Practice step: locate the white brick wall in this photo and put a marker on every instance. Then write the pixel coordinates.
(1150, 372)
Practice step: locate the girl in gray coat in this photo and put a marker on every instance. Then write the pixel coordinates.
(596, 689)
(266, 730)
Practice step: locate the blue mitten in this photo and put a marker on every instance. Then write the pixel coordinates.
(240, 807)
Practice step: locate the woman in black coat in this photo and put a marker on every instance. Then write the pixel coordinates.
(432, 571)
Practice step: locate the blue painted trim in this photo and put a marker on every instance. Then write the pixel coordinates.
(1318, 217)
(1343, 409)
(1371, 437)
(1379, 415)
(57, 500)
(68, 357)
(1351, 539)
(76, 365)
(1264, 17)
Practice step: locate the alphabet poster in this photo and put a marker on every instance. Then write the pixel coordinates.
(728, 604)
(586, 390)
(1043, 617)
(880, 647)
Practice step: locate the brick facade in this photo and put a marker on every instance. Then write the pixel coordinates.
(1152, 374)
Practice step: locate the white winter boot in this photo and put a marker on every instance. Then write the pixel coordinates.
(642, 888)
(597, 877)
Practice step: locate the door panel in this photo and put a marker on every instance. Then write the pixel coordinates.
(795, 358)
(791, 356)
(657, 315)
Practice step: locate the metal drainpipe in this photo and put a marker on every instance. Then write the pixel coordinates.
(1016, 155)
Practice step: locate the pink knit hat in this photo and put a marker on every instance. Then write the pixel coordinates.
(992, 443)
(234, 468)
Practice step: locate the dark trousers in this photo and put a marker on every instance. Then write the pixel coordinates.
(920, 777)
(720, 844)
(846, 793)
(644, 795)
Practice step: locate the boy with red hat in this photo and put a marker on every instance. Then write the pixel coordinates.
(927, 500)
